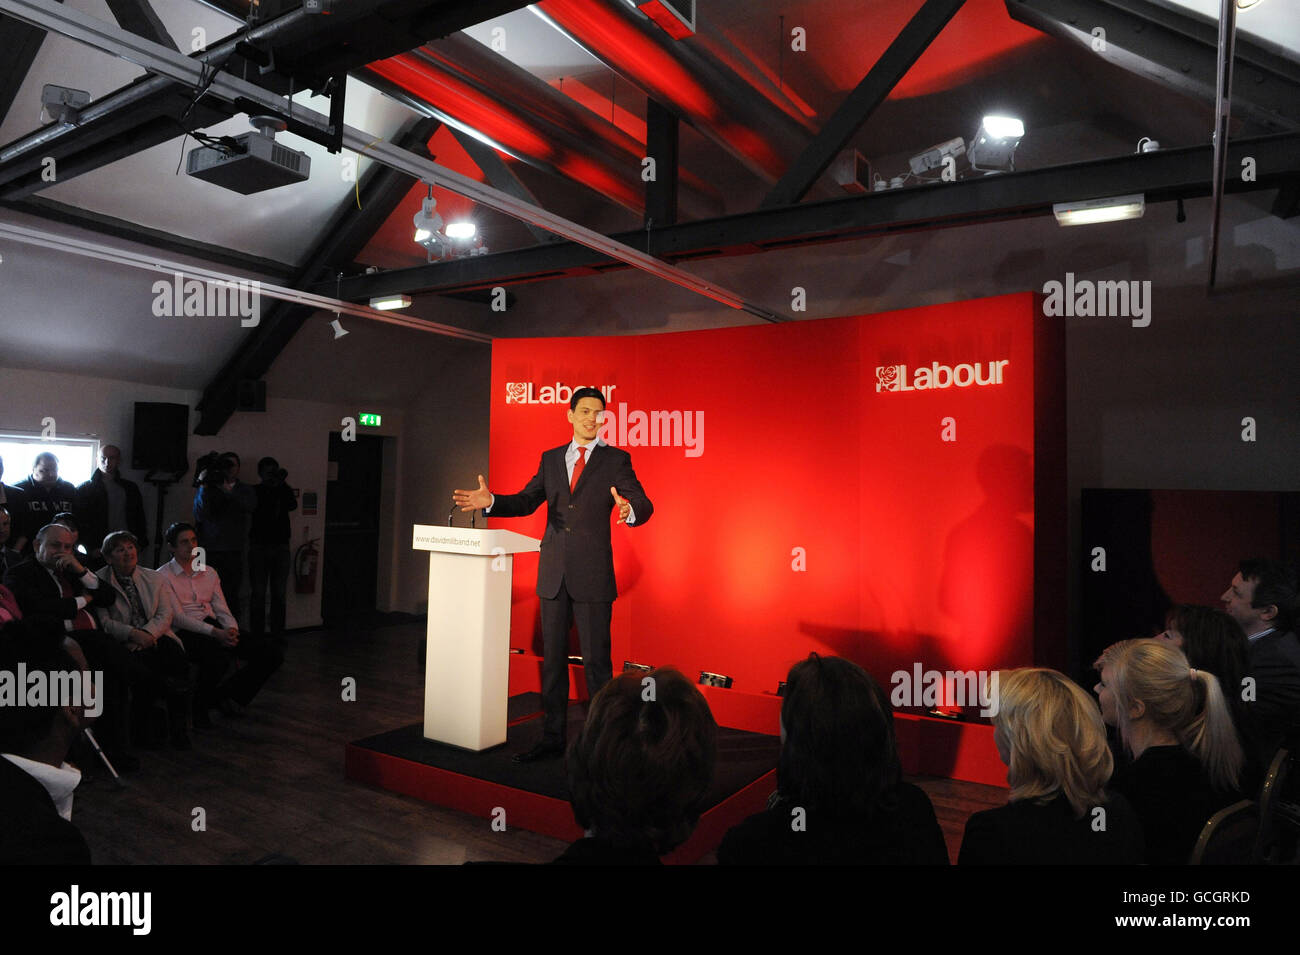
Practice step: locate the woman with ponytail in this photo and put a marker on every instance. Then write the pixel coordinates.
(1177, 725)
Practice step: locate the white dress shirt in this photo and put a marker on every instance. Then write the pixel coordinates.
(59, 781)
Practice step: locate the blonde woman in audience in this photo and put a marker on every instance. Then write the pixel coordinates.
(1177, 725)
(1051, 737)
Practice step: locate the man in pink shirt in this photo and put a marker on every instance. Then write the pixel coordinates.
(210, 632)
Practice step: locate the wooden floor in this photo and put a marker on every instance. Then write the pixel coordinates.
(271, 782)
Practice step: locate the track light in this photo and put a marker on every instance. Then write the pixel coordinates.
(428, 224)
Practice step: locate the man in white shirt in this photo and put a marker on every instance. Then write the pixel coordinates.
(36, 781)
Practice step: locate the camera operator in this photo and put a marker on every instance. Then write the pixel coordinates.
(268, 546)
(222, 508)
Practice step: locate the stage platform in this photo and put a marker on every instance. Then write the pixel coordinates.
(535, 795)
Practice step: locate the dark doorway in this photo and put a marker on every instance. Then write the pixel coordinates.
(352, 498)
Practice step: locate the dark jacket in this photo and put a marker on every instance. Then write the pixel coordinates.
(91, 509)
(39, 505)
(906, 834)
(37, 592)
(1274, 662)
(1028, 832)
(576, 547)
(270, 524)
(31, 830)
(221, 516)
(1174, 800)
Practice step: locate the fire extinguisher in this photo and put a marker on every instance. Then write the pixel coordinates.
(304, 567)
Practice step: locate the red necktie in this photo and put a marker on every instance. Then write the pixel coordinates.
(83, 620)
(577, 469)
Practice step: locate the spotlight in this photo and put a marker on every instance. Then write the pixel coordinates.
(460, 230)
(639, 667)
(933, 157)
(387, 303)
(993, 148)
(428, 224)
(715, 679)
(1099, 210)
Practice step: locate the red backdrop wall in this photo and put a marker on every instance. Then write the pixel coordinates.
(917, 549)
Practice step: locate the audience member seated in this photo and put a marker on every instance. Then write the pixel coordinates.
(1053, 741)
(211, 636)
(1176, 724)
(69, 520)
(1263, 600)
(43, 496)
(141, 620)
(640, 770)
(36, 781)
(840, 798)
(223, 506)
(109, 502)
(1213, 641)
(56, 584)
(9, 556)
(11, 500)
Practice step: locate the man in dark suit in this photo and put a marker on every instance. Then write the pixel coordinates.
(36, 782)
(575, 575)
(57, 585)
(1263, 599)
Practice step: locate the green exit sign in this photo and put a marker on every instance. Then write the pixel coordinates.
(369, 420)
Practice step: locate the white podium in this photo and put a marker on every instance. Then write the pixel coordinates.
(467, 665)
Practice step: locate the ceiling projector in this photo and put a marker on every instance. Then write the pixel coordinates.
(252, 162)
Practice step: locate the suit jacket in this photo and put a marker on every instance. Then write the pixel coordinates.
(1275, 665)
(37, 592)
(31, 830)
(576, 547)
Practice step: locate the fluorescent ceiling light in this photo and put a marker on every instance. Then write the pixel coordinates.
(387, 303)
(1099, 210)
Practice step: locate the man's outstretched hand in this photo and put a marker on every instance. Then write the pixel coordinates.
(473, 500)
(624, 508)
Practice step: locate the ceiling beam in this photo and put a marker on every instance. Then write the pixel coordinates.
(1161, 176)
(52, 211)
(138, 17)
(381, 190)
(1176, 49)
(20, 43)
(858, 106)
(661, 145)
